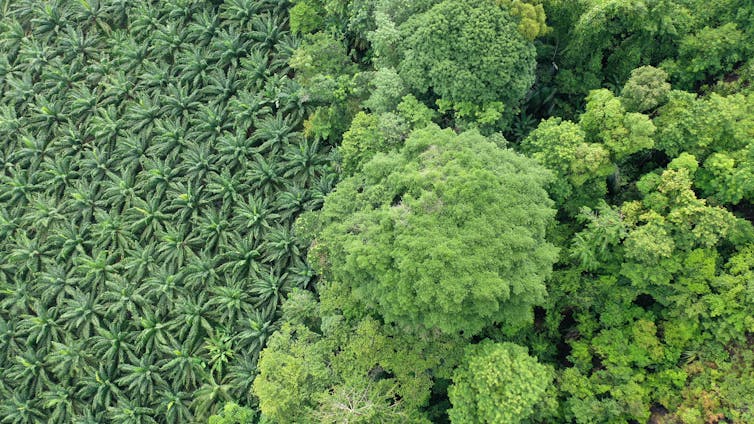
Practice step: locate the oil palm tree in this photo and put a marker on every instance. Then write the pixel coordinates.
(107, 125)
(17, 187)
(265, 176)
(141, 113)
(230, 302)
(212, 229)
(234, 149)
(203, 28)
(255, 215)
(196, 161)
(18, 296)
(231, 44)
(60, 403)
(20, 88)
(254, 330)
(141, 378)
(91, 272)
(40, 327)
(210, 396)
(239, 257)
(156, 177)
(57, 173)
(80, 313)
(82, 200)
(173, 406)
(43, 214)
(193, 66)
(75, 44)
(30, 151)
(183, 365)
(162, 288)
(221, 85)
(111, 232)
(239, 12)
(54, 284)
(91, 14)
(49, 20)
(193, 318)
(98, 387)
(176, 246)
(144, 21)
(29, 372)
(96, 163)
(33, 56)
(219, 348)
(17, 408)
(147, 218)
(273, 133)
(284, 50)
(154, 334)
(280, 245)
(140, 261)
(70, 142)
(128, 411)
(28, 253)
(254, 69)
(240, 377)
(187, 200)
(225, 189)
(268, 29)
(269, 290)
(168, 138)
(118, 191)
(117, 87)
(304, 161)
(247, 106)
(300, 273)
(154, 76)
(291, 201)
(210, 121)
(125, 302)
(201, 271)
(178, 102)
(129, 153)
(69, 359)
(112, 345)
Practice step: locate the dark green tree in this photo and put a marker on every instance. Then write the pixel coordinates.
(471, 55)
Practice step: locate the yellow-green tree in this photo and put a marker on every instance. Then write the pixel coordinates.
(497, 383)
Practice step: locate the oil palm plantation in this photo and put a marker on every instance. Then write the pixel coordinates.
(152, 164)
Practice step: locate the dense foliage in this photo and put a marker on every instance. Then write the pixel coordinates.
(425, 237)
(497, 383)
(377, 211)
(151, 167)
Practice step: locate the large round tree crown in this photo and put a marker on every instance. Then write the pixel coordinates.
(448, 234)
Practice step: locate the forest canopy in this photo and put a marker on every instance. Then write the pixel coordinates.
(377, 211)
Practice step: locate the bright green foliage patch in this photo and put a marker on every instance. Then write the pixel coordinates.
(448, 233)
(324, 367)
(497, 383)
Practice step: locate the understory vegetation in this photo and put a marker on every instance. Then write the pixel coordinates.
(377, 211)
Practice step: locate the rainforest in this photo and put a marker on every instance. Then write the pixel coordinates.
(377, 211)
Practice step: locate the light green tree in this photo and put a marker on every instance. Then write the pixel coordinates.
(448, 233)
(497, 383)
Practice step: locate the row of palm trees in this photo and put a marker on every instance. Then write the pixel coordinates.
(151, 168)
